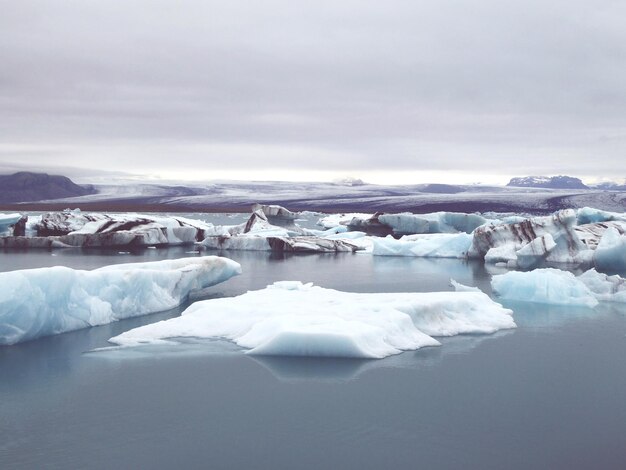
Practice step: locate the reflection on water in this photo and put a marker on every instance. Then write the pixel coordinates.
(297, 369)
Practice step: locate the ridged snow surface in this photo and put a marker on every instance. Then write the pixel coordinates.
(48, 301)
(294, 319)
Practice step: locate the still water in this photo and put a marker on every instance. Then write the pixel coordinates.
(550, 394)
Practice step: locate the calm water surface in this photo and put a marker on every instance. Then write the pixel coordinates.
(550, 394)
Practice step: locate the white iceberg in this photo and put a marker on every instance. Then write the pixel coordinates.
(549, 286)
(335, 220)
(294, 319)
(48, 301)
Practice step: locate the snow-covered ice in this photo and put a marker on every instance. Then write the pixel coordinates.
(296, 319)
(47, 301)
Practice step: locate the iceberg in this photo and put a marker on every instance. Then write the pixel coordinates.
(256, 242)
(610, 255)
(337, 220)
(406, 223)
(436, 222)
(441, 245)
(548, 286)
(290, 318)
(588, 215)
(75, 228)
(553, 286)
(604, 287)
(8, 220)
(276, 213)
(48, 301)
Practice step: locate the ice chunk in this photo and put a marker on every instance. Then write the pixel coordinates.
(278, 244)
(291, 318)
(604, 287)
(519, 234)
(334, 220)
(47, 301)
(458, 287)
(588, 215)
(610, 255)
(533, 253)
(276, 213)
(7, 220)
(440, 245)
(549, 286)
(404, 224)
(412, 224)
(502, 254)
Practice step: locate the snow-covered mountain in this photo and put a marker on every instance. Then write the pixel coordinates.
(551, 182)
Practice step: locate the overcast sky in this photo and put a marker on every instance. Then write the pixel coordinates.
(394, 91)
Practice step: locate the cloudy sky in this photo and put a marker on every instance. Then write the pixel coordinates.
(394, 91)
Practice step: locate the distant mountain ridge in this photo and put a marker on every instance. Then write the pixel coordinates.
(26, 186)
(550, 182)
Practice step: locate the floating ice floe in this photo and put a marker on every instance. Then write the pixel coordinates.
(553, 286)
(294, 319)
(48, 301)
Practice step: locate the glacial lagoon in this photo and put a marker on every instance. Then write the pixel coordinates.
(549, 394)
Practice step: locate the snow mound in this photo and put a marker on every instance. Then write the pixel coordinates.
(48, 301)
(290, 318)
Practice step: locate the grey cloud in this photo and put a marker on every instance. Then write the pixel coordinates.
(500, 86)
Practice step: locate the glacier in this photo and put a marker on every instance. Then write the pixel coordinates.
(290, 318)
(47, 301)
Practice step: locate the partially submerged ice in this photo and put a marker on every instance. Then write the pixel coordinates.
(556, 287)
(548, 286)
(294, 319)
(48, 301)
